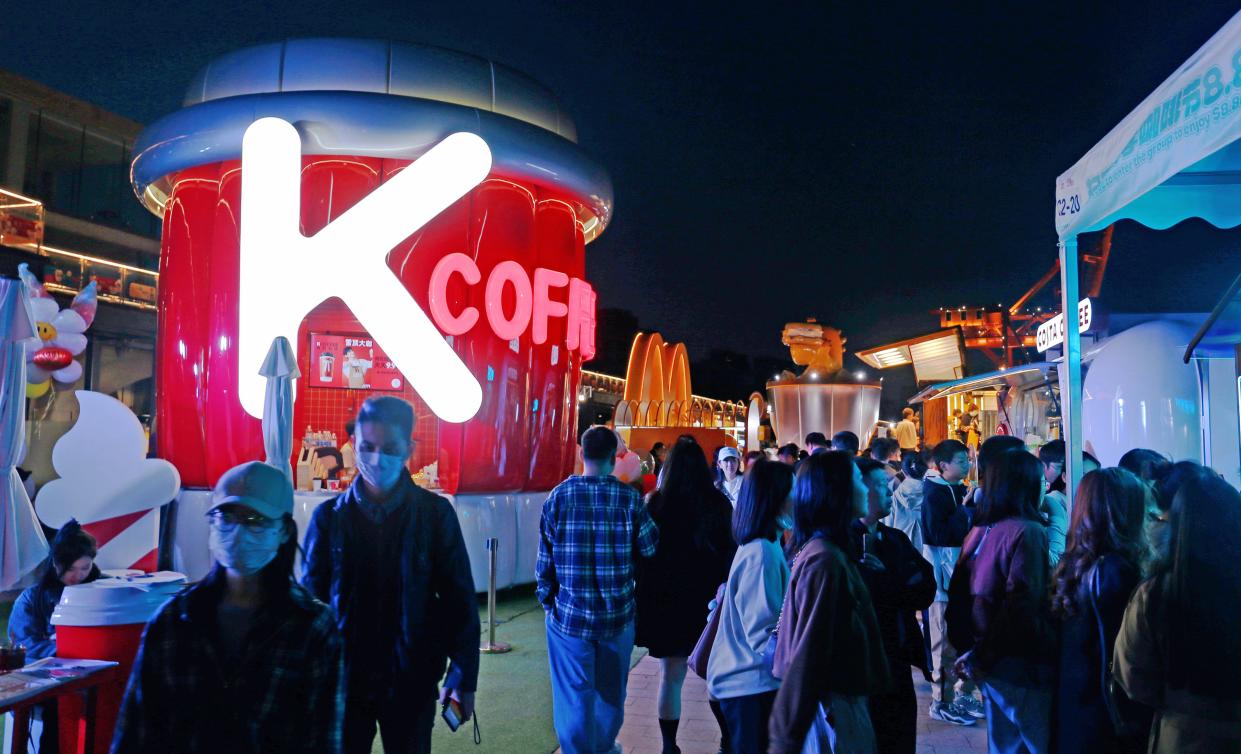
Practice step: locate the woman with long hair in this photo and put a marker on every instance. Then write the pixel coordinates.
(1165, 488)
(829, 653)
(739, 668)
(1178, 649)
(675, 587)
(247, 660)
(1093, 582)
(70, 562)
(997, 598)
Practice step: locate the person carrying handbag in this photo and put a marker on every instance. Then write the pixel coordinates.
(997, 607)
(739, 665)
(1092, 585)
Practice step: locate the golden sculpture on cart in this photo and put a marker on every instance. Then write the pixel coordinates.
(819, 348)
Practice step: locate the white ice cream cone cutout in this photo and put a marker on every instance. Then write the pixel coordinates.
(107, 483)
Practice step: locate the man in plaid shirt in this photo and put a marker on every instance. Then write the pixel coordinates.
(592, 531)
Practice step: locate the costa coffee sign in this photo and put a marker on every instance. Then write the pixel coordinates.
(1051, 332)
(284, 274)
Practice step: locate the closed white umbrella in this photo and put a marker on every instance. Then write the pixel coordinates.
(22, 544)
(280, 369)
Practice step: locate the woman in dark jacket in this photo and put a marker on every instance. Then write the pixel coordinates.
(247, 660)
(71, 562)
(829, 651)
(997, 606)
(1178, 649)
(675, 587)
(1094, 580)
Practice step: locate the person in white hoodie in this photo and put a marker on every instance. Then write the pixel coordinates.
(907, 498)
(739, 669)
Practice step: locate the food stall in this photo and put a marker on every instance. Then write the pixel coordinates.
(1176, 156)
(1139, 392)
(413, 220)
(1021, 401)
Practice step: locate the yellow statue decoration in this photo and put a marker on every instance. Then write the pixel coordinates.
(819, 348)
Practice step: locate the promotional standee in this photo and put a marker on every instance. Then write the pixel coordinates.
(414, 221)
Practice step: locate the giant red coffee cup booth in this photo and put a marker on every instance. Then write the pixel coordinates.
(291, 170)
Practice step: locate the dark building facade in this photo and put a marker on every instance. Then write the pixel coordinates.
(67, 210)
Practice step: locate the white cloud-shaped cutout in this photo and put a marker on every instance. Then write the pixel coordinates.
(103, 468)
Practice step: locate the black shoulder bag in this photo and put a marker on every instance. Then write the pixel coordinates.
(1129, 719)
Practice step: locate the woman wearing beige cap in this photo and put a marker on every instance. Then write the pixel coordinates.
(247, 660)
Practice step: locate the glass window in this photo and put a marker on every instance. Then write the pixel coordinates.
(136, 217)
(103, 179)
(6, 114)
(55, 173)
(124, 368)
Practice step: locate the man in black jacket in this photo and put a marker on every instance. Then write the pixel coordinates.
(389, 557)
(900, 582)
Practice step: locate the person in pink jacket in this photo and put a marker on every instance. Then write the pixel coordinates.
(998, 618)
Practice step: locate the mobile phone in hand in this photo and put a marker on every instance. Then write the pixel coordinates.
(452, 714)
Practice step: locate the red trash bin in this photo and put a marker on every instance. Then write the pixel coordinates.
(103, 620)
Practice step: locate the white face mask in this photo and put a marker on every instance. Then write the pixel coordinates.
(244, 550)
(380, 470)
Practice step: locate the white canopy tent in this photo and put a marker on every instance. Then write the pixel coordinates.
(1175, 157)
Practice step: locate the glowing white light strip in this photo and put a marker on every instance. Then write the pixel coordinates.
(285, 274)
(97, 260)
(29, 200)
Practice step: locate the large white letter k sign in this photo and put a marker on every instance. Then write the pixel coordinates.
(285, 274)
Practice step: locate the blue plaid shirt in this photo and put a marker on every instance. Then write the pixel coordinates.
(592, 531)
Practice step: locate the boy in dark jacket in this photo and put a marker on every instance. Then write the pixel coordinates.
(945, 522)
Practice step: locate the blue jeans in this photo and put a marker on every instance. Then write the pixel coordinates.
(746, 718)
(589, 678)
(1018, 700)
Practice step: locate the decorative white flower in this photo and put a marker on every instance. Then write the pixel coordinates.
(62, 335)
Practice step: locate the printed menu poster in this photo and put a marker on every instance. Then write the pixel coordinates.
(352, 362)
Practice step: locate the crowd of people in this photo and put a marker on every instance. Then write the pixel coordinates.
(810, 597)
(807, 590)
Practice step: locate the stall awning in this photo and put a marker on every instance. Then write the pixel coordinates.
(1172, 158)
(1220, 335)
(1019, 377)
(939, 355)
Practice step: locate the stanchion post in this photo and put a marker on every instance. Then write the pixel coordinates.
(491, 646)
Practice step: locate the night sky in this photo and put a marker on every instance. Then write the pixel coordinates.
(771, 161)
